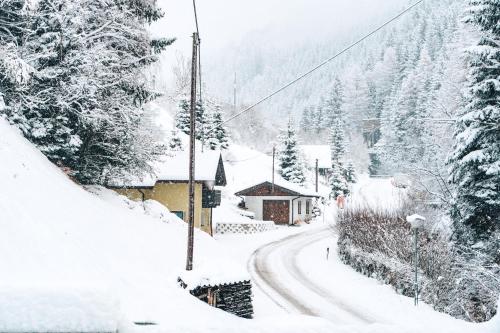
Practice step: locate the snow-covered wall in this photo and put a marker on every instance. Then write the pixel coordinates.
(250, 227)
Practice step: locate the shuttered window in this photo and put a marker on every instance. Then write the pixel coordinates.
(299, 207)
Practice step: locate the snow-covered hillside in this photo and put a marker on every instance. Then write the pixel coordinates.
(64, 250)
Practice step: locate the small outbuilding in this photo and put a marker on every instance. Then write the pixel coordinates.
(281, 202)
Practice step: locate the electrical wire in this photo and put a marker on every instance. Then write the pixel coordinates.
(323, 63)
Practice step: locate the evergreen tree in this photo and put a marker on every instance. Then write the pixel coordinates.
(290, 163)
(338, 179)
(15, 72)
(83, 104)
(350, 172)
(306, 120)
(175, 143)
(318, 119)
(217, 136)
(475, 161)
(337, 142)
(338, 183)
(375, 163)
(201, 118)
(356, 104)
(182, 119)
(333, 103)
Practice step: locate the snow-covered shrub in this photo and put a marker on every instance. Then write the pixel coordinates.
(453, 280)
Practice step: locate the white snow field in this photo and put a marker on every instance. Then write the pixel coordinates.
(70, 261)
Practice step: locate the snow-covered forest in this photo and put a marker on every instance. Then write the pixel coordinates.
(88, 84)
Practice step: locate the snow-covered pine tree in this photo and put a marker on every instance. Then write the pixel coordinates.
(290, 164)
(14, 71)
(46, 117)
(175, 142)
(83, 106)
(318, 117)
(306, 119)
(201, 121)
(356, 106)
(475, 161)
(182, 118)
(333, 103)
(338, 180)
(216, 132)
(337, 142)
(409, 115)
(350, 172)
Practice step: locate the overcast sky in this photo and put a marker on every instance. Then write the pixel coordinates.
(223, 22)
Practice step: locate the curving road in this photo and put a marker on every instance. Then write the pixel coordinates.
(275, 271)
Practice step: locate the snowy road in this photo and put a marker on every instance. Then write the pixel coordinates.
(275, 270)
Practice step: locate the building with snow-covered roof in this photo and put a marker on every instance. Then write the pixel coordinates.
(169, 186)
(282, 203)
(322, 153)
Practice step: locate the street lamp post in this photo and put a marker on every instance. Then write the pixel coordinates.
(416, 221)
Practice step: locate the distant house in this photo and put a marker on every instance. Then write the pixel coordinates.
(287, 204)
(170, 187)
(322, 153)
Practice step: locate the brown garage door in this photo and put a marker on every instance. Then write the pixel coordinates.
(277, 211)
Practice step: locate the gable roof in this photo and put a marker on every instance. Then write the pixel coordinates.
(321, 152)
(208, 167)
(282, 186)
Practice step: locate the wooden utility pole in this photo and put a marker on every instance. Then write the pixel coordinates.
(192, 145)
(274, 153)
(317, 171)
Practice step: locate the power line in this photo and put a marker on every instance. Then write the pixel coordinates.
(323, 63)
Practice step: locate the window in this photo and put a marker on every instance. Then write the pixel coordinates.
(179, 214)
(299, 207)
(308, 206)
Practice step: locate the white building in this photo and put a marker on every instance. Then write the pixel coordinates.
(286, 203)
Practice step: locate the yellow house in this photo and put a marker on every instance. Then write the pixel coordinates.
(170, 186)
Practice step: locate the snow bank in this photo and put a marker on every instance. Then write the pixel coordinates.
(57, 309)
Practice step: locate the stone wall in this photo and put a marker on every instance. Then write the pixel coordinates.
(244, 228)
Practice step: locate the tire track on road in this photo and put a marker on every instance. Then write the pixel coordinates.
(261, 268)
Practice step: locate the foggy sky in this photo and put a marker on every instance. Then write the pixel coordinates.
(223, 22)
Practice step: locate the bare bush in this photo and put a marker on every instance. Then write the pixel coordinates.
(379, 244)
